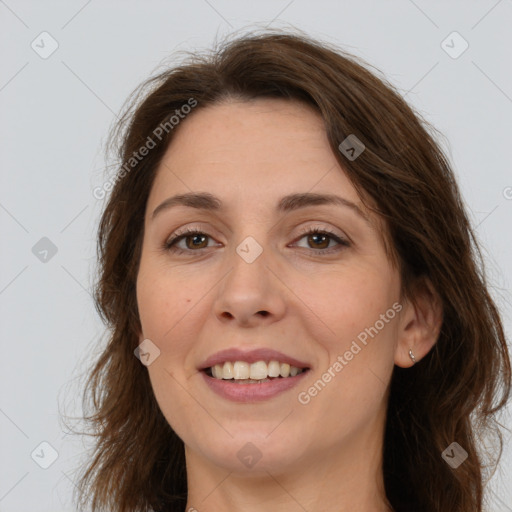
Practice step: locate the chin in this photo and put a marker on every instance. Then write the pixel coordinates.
(254, 454)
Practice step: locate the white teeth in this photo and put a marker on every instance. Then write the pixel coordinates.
(241, 370)
(274, 369)
(259, 371)
(227, 371)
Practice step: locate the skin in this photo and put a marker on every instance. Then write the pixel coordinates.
(321, 456)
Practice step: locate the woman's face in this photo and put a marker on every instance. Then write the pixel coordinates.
(253, 278)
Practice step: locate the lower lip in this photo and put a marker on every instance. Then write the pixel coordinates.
(252, 392)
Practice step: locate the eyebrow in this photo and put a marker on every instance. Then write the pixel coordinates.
(292, 202)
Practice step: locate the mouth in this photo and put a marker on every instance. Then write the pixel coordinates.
(259, 372)
(250, 382)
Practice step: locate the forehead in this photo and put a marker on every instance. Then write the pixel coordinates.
(242, 150)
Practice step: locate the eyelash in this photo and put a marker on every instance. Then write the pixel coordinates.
(170, 245)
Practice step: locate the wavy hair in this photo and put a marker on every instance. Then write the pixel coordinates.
(453, 394)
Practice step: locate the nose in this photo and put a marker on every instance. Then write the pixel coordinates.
(250, 294)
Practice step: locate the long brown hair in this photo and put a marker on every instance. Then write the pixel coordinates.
(453, 394)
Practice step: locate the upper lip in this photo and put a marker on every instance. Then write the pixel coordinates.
(250, 356)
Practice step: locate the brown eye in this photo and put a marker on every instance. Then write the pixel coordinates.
(194, 240)
(319, 241)
(197, 241)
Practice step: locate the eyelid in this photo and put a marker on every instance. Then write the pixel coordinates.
(198, 228)
(325, 229)
(303, 230)
(195, 228)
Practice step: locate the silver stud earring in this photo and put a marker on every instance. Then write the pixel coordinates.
(411, 355)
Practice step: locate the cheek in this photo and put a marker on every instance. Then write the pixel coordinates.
(347, 304)
(172, 313)
(367, 326)
(164, 306)
(164, 300)
(358, 334)
(351, 381)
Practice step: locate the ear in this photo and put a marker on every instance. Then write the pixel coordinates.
(420, 323)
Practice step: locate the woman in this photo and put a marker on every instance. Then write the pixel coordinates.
(298, 315)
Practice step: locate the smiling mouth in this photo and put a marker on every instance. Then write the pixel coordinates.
(241, 372)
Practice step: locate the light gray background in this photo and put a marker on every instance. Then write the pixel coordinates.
(56, 113)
